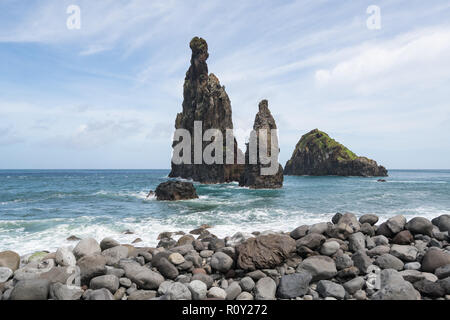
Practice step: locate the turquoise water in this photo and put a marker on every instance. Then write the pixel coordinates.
(40, 209)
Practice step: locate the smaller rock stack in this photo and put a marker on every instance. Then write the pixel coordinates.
(347, 258)
(252, 176)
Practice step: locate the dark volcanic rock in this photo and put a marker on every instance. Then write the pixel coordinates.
(205, 100)
(294, 285)
(429, 288)
(442, 222)
(316, 154)
(265, 252)
(435, 258)
(253, 176)
(176, 190)
(403, 237)
(419, 225)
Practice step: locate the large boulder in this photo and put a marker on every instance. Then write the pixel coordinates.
(109, 281)
(115, 254)
(357, 241)
(320, 267)
(9, 259)
(176, 190)
(404, 252)
(86, 247)
(429, 288)
(64, 257)
(328, 288)
(198, 289)
(354, 285)
(265, 289)
(369, 218)
(265, 252)
(59, 291)
(388, 261)
(253, 175)
(419, 225)
(33, 270)
(442, 222)
(90, 267)
(394, 287)
(403, 237)
(178, 291)
(233, 290)
(435, 258)
(345, 225)
(221, 262)
(316, 154)
(362, 261)
(294, 285)
(396, 223)
(299, 232)
(60, 274)
(441, 272)
(5, 274)
(312, 241)
(142, 276)
(108, 242)
(445, 284)
(167, 269)
(34, 289)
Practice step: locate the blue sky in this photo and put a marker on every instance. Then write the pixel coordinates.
(106, 95)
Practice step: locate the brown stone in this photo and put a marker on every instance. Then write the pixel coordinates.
(198, 270)
(265, 252)
(435, 258)
(403, 237)
(186, 239)
(9, 259)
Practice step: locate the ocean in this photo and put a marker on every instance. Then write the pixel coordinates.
(39, 209)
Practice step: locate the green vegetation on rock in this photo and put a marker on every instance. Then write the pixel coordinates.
(320, 141)
(319, 155)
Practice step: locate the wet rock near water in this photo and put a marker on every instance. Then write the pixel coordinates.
(175, 190)
(405, 260)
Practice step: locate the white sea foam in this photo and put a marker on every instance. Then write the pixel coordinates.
(14, 237)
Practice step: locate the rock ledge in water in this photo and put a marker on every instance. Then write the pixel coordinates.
(176, 190)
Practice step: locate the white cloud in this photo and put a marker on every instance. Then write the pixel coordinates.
(405, 60)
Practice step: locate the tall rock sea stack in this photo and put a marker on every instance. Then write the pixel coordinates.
(252, 176)
(316, 154)
(205, 100)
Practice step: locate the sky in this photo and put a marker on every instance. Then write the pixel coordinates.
(105, 96)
